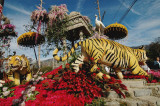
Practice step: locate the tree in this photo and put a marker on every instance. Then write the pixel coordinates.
(154, 50)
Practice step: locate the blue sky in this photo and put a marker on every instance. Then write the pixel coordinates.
(142, 22)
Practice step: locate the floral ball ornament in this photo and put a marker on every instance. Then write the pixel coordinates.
(116, 31)
(28, 39)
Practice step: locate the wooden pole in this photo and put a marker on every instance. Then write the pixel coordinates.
(99, 10)
(39, 47)
(36, 56)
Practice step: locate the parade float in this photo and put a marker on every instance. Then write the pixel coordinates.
(90, 84)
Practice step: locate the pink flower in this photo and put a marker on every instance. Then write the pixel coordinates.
(33, 88)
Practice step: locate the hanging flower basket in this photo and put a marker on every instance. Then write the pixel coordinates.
(57, 13)
(7, 30)
(39, 15)
(29, 39)
(116, 31)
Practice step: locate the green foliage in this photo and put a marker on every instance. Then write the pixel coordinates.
(32, 96)
(46, 69)
(151, 77)
(8, 85)
(123, 104)
(54, 34)
(74, 57)
(97, 102)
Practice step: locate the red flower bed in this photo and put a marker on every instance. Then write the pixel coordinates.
(69, 88)
(17, 93)
(140, 77)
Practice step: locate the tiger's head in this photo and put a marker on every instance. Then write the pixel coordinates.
(17, 63)
(141, 54)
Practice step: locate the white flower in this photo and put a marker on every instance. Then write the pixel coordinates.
(1, 81)
(1, 85)
(6, 93)
(35, 76)
(32, 79)
(29, 94)
(39, 78)
(42, 78)
(40, 73)
(23, 103)
(4, 89)
(22, 92)
(33, 88)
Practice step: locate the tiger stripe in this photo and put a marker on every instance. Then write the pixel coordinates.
(111, 53)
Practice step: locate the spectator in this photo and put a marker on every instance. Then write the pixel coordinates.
(157, 63)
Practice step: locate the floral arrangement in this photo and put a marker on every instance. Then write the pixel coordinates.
(5, 89)
(7, 30)
(62, 86)
(28, 39)
(155, 73)
(10, 26)
(57, 26)
(148, 79)
(57, 13)
(96, 36)
(39, 15)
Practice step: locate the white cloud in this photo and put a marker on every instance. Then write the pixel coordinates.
(18, 9)
(146, 28)
(144, 31)
(79, 5)
(147, 24)
(132, 10)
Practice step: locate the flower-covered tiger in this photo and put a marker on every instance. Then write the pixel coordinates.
(111, 53)
(19, 69)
